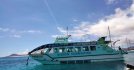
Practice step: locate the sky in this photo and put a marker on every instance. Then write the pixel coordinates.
(27, 24)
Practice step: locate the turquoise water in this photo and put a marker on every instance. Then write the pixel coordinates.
(19, 63)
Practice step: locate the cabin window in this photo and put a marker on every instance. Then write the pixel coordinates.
(52, 50)
(63, 62)
(77, 49)
(45, 50)
(79, 61)
(37, 52)
(85, 48)
(63, 49)
(67, 49)
(70, 49)
(42, 51)
(56, 50)
(60, 50)
(48, 50)
(93, 48)
(71, 62)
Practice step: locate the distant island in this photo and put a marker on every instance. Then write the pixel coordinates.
(129, 48)
(17, 55)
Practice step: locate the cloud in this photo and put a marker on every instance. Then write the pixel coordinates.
(16, 36)
(61, 30)
(33, 31)
(54, 36)
(111, 1)
(29, 31)
(75, 20)
(121, 25)
(78, 31)
(17, 33)
(4, 29)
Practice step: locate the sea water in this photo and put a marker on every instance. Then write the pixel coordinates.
(19, 63)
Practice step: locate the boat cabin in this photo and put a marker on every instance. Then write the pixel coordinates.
(62, 46)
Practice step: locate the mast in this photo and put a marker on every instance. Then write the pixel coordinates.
(109, 35)
(67, 31)
(128, 42)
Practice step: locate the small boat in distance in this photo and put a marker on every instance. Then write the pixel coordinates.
(64, 52)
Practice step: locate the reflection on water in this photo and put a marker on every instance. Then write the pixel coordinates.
(92, 66)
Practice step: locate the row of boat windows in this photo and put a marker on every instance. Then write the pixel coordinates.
(75, 62)
(67, 49)
(74, 49)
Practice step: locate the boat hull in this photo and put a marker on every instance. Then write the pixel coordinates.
(79, 59)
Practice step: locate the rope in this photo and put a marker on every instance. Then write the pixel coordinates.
(27, 61)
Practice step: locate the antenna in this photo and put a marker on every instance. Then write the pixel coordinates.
(67, 30)
(109, 35)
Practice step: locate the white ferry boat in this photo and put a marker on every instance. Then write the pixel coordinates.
(64, 52)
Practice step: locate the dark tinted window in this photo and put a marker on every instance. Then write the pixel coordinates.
(92, 48)
(70, 49)
(61, 50)
(56, 50)
(85, 48)
(77, 49)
